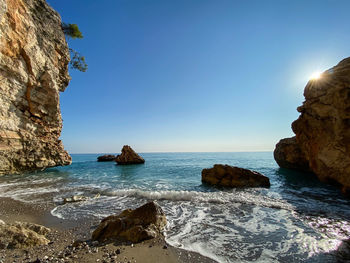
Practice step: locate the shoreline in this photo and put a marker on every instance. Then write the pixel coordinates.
(65, 232)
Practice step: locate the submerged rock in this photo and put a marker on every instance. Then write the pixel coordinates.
(289, 155)
(22, 235)
(34, 59)
(106, 158)
(145, 222)
(75, 198)
(231, 176)
(129, 156)
(78, 198)
(323, 127)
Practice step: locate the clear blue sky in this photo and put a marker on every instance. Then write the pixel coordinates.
(195, 75)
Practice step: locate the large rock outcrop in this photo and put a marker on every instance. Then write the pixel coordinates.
(129, 156)
(232, 176)
(145, 222)
(34, 59)
(323, 127)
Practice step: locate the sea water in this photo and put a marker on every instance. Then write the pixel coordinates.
(296, 219)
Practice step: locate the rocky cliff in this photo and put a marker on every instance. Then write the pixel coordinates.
(34, 59)
(322, 141)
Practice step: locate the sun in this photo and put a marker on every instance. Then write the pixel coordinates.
(316, 75)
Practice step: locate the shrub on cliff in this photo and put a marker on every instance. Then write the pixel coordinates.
(77, 60)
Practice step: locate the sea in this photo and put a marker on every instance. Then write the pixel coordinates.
(297, 219)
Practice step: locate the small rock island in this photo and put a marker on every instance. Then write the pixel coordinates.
(129, 156)
(232, 176)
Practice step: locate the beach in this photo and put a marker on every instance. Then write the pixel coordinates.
(65, 232)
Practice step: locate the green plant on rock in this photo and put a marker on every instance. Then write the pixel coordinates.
(77, 60)
(72, 30)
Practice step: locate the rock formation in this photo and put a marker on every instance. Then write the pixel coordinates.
(289, 155)
(231, 176)
(22, 235)
(106, 158)
(34, 60)
(129, 156)
(145, 222)
(323, 129)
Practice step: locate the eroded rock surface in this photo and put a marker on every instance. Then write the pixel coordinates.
(34, 60)
(231, 176)
(323, 127)
(22, 235)
(129, 156)
(145, 222)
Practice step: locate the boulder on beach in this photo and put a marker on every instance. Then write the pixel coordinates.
(323, 128)
(106, 158)
(22, 235)
(78, 198)
(129, 156)
(145, 222)
(231, 176)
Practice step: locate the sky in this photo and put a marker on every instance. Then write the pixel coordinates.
(195, 75)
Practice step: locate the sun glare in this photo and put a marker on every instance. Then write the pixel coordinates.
(316, 75)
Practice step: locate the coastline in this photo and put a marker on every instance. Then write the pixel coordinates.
(65, 232)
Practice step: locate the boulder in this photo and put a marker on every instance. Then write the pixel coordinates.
(75, 198)
(106, 158)
(289, 155)
(145, 222)
(129, 156)
(78, 198)
(231, 176)
(22, 235)
(323, 127)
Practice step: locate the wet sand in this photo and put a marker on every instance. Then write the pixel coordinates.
(63, 247)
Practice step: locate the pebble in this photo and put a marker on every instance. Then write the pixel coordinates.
(117, 251)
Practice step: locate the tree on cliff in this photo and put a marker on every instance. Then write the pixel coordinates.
(77, 60)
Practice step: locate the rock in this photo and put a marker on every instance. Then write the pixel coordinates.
(231, 176)
(129, 156)
(22, 235)
(323, 127)
(2, 222)
(145, 222)
(34, 59)
(75, 198)
(289, 155)
(106, 158)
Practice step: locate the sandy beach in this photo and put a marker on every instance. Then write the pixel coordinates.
(70, 241)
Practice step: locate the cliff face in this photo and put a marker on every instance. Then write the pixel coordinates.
(323, 128)
(34, 59)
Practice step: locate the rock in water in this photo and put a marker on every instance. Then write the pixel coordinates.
(106, 158)
(323, 127)
(231, 176)
(34, 59)
(143, 223)
(129, 156)
(289, 155)
(22, 235)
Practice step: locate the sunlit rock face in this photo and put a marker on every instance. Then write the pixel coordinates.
(323, 127)
(34, 60)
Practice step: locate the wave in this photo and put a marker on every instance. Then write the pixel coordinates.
(253, 198)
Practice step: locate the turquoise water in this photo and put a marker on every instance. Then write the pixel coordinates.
(297, 219)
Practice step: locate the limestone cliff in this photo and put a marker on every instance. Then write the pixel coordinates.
(34, 59)
(323, 128)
